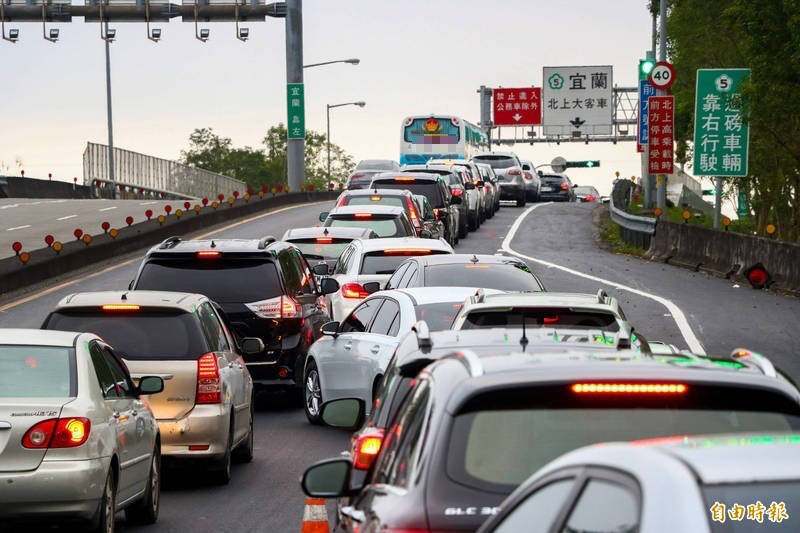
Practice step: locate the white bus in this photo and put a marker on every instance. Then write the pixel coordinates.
(424, 137)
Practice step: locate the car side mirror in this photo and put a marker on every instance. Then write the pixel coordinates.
(479, 184)
(426, 234)
(328, 285)
(372, 286)
(321, 269)
(345, 413)
(150, 385)
(327, 479)
(455, 200)
(323, 216)
(330, 328)
(252, 345)
(130, 285)
(575, 186)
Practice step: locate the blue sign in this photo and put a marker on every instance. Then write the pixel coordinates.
(645, 92)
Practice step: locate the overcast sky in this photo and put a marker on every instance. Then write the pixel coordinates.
(417, 56)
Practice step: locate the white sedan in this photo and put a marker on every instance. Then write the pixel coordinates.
(349, 360)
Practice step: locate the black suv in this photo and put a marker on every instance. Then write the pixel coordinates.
(431, 186)
(471, 429)
(458, 181)
(556, 188)
(265, 289)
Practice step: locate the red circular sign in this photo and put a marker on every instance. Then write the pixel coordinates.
(662, 76)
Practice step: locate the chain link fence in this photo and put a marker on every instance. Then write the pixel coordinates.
(140, 171)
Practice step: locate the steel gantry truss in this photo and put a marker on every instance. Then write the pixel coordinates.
(623, 121)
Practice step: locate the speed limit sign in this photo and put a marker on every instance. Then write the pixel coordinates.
(662, 76)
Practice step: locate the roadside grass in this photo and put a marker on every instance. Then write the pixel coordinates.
(697, 218)
(610, 235)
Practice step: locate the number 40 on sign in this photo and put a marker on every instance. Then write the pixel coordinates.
(662, 76)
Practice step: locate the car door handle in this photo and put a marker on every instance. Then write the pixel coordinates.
(375, 349)
(348, 345)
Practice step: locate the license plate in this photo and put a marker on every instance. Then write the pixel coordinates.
(547, 189)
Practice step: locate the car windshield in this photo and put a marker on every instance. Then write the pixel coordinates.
(439, 315)
(374, 199)
(496, 161)
(391, 227)
(321, 249)
(224, 281)
(538, 424)
(780, 492)
(428, 189)
(383, 263)
(550, 317)
(502, 276)
(144, 334)
(37, 371)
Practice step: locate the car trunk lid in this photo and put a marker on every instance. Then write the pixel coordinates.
(180, 385)
(17, 416)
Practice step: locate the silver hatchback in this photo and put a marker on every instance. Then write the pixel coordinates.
(78, 440)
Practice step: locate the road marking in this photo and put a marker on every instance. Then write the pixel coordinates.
(9, 206)
(60, 286)
(677, 315)
(147, 203)
(19, 227)
(67, 217)
(108, 208)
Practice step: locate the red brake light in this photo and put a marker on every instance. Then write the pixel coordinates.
(354, 290)
(120, 307)
(278, 307)
(208, 254)
(456, 191)
(289, 308)
(342, 200)
(486, 188)
(208, 383)
(366, 448)
(629, 388)
(528, 176)
(551, 319)
(58, 433)
(324, 240)
(406, 251)
(363, 215)
(515, 172)
(564, 187)
(590, 198)
(412, 213)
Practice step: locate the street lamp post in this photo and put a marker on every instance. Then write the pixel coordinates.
(353, 61)
(328, 136)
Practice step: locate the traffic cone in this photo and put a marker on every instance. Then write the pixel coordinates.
(315, 517)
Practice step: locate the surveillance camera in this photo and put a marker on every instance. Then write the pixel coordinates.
(13, 34)
(155, 33)
(204, 33)
(244, 33)
(54, 33)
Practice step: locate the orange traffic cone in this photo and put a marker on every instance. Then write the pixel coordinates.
(315, 517)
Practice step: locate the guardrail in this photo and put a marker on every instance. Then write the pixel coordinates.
(634, 229)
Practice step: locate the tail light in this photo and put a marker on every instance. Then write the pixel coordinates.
(406, 251)
(486, 188)
(120, 307)
(363, 215)
(564, 187)
(456, 191)
(412, 213)
(629, 388)
(403, 178)
(528, 176)
(324, 240)
(278, 307)
(208, 254)
(515, 172)
(354, 290)
(436, 214)
(208, 382)
(57, 433)
(365, 449)
(590, 198)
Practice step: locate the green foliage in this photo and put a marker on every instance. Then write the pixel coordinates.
(265, 166)
(765, 37)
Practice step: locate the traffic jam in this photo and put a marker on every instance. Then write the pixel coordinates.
(478, 399)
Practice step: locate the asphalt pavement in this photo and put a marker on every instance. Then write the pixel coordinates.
(559, 244)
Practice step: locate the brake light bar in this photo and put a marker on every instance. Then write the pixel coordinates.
(120, 307)
(375, 198)
(363, 215)
(406, 251)
(403, 178)
(629, 388)
(324, 240)
(208, 254)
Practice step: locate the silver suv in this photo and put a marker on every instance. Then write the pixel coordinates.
(508, 169)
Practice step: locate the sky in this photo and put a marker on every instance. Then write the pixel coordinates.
(417, 57)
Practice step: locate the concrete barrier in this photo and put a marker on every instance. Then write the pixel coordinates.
(726, 254)
(44, 263)
(19, 187)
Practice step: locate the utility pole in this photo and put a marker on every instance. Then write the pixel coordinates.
(295, 147)
(661, 191)
(111, 177)
(328, 137)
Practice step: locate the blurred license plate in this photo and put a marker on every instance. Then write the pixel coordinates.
(547, 189)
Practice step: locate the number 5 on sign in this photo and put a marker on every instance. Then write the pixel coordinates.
(662, 76)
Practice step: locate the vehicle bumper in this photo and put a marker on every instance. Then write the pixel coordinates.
(511, 192)
(205, 425)
(55, 490)
(554, 196)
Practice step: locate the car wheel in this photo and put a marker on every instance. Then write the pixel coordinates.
(104, 520)
(244, 452)
(312, 394)
(221, 468)
(463, 230)
(473, 222)
(145, 511)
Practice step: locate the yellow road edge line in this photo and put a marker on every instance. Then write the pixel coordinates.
(60, 286)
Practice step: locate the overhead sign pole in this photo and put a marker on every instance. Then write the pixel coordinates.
(296, 132)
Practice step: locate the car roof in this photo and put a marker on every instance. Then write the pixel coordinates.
(373, 245)
(184, 301)
(425, 166)
(328, 231)
(456, 259)
(178, 245)
(37, 337)
(369, 191)
(432, 295)
(507, 154)
(549, 299)
(401, 174)
(378, 209)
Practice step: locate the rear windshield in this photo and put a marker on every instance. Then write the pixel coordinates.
(375, 199)
(320, 251)
(552, 180)
(224, 281)
(428, 189)
(37, 371)
(380, 263)
(140, 335)
(496, 161)
(501, 276)
(585, 190)
(537, 318)
(382, 227)
(432, 131)
(538, 424)
(744, 494)
(438, 316)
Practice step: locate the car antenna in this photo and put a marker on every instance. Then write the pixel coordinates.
(213, 244)
(124, 296)
(474, 258)
(524, 340)
(325, 231)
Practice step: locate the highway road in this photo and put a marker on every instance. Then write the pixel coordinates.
(557, 241)
(28, 220)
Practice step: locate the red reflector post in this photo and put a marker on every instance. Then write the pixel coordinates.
(758, 276)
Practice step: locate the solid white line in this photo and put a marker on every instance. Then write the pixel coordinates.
(677, 315)
(19, 227)
(147, 203)
(67, 217)
(109, 208)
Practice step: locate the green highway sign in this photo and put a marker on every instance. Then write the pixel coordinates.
(583, 164)
(721, 136)
(296, 109)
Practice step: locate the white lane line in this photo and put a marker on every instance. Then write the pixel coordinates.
(9, 206)
(677, 315)
(108, 208)
(147, 203)
(19, 227)
(67, 217)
